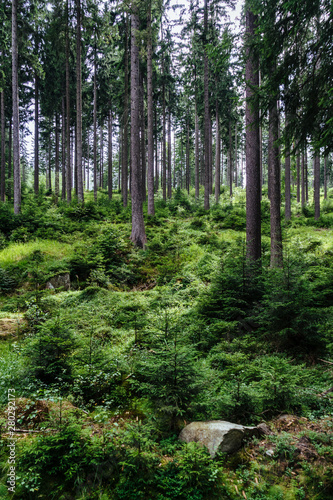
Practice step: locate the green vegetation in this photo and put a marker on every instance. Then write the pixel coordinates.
(106, 373)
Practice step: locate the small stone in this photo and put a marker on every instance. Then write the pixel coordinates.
(270, 453)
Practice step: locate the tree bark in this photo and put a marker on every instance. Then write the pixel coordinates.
(150, 116)
(316, 174)
(303, 180)
(187, 167)
(217, 157)
(80, 194)
(138, 235)
(16, 118)
(206, 111)
(56, 184)
(230, 161)
(325, 178)
(63, 150)
(68, 117)
(287, 186)
(275, 187)
(169, 156)
(110, 154)
(298, 177)
(197, 154)
(3, 149)
(95, 124)
(124, 165)
(253, 187)
(36, 159)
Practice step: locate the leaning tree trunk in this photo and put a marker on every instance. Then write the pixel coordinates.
(80, 194)
(16, 118)
(253, 188)
(316, 173)
(3, 159)
(275, 187)
(138, 235)
(150, 117)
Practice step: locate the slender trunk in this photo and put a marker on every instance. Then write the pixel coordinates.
(88, 160)
(325, 178)
(56, 179)
(316, 174)
(36, 159)
(138, 235)
(68, 116)
(95, 124)
(80, 194)
(150, 116)
(124, 169)
(197, 154)
(275, 187)
(298, 177)
(10, 149)
(253, 187)
(303, 179)
(142, 137)
(164, 142)
(63, 150)
(187, 167)
(110, 154)
(306, 175)
(287, 187)
(169, 156)
(230, 160)
(236, 154)
(101, 155)
(3, 158)
(206, 111)
(217, 156)
(16, 118)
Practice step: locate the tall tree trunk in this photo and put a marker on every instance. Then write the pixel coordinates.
(101, 155)
(10, 149)
(230, 160)
(138, 235)
(197, 154)
(110, 154)
(275, 187)
(68, 116)
(150, 116)
(287, 186)
(169, 156)
(88, 160)
(217, 156)
(142, 137)
(187, 167)
(124, 169)
(164, 141)
(207, 114)
(298, 177)
(316, 174)
(63, 150)
(56, 179)
(3, 158)
(236, 154)
(36, 159)
(253, 187)
(80, 194)
(306, 174)
(303, 179)
(325, 178)
(16, 118)
(95, 124)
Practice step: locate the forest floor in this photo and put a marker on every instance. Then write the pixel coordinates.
(126, 346)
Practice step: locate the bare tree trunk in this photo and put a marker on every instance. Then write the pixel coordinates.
(325, 178)
(230, 160)
(63, 150)
(287, 187)
(124, 167)
(138, 235)
(253, 187)
(56, 184)
(36, 159)
(306, 174)
(275, 187)
(150, 116)
(236, 154)
(217, 157)
(10, 149)
(303, 179)
(169, 156)
(80, 194)
(197, 154)
(110, 154)
(142, 137)
(3, 158)
(95, 124)
(16, 118)
(207, 114)
(68, 116)
(316, 173)
(187, 167)
(164, 142)
(298, 177)
(101, 155)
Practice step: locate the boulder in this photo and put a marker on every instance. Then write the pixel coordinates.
(217, 435)
(60, 280)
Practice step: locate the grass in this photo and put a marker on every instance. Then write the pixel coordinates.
(16, 252)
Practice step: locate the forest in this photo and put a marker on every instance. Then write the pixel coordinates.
(166, 216)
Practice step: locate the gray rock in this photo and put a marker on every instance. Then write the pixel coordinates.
(217, 435)
(60, 280)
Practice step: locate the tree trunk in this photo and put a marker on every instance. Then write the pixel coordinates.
(287, 187)
(197, 154)
(142, 137)
(187, 167)
(325, 178)
(217, 157)
(316, 174)
(3, 158)
(253, 187)
(169, 156)
(63, 150)
(80, 194)
(298, 177)
(110, 154)
(303, 179)
(230, 160)
(10, 149)
(236, 154)
(36, 159)
(164, 141)
(150, 116)
(124, 165)
(206, 111)
(138, 235)
(56, 184)
(275, 187)
(95, 124)
(68, 116)
(16, 118)
(101, 155)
